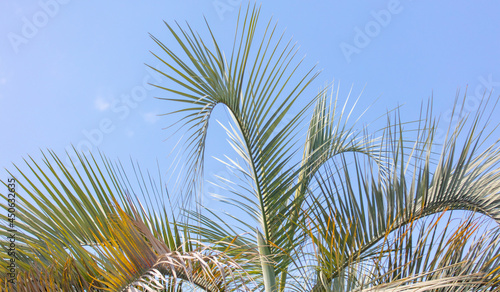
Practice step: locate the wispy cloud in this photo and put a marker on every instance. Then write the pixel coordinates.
(150, 117)
(101, 104)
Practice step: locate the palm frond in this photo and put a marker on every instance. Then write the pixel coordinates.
(253, 86)
(354, 213)
(79, 229)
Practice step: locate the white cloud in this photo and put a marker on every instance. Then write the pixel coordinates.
(150, 117)
(101, 104)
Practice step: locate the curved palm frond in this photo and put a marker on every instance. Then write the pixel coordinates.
(354, 213)
(78, 229)
(254, 86)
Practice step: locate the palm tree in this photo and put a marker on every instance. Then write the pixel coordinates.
(357, 211)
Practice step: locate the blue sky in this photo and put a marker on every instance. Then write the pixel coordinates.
(72, 72)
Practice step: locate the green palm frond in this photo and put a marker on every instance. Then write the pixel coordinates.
(78, 229)
(359, 211)
(254, 87)
(402, 184)
(352, 214)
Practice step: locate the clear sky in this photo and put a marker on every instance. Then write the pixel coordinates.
(72, 72)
